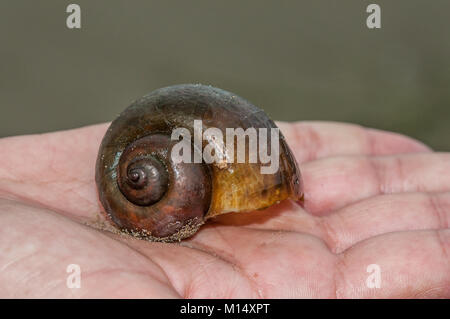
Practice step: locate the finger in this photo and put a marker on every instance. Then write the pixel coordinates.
(314, 140)
(351, 224)
(339, 181)
(384, 214)
(54, 170)
(195, 272)
(239, 262)
(412, 264)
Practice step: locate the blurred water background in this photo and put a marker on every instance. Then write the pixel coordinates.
(298, 60)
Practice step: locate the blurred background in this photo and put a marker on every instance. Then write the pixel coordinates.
(298, 60)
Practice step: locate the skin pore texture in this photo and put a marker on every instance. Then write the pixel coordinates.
(371, 197)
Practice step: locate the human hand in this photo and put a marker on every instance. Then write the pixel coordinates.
(371, 197)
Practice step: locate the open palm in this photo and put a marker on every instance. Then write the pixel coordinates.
(371, 198)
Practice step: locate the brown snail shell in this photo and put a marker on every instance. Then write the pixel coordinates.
(147, 194)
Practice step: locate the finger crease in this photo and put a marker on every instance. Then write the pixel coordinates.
(232, 262)
(443, 246)
(379, 179)
(329, 235)
(438, 210)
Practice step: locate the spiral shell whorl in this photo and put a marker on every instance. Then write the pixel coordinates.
(169, 205)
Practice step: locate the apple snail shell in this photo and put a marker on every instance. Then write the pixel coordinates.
(147, 193)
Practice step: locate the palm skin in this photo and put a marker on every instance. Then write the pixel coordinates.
(371, 197)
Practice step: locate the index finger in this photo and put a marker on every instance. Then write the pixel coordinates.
(315, 140)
